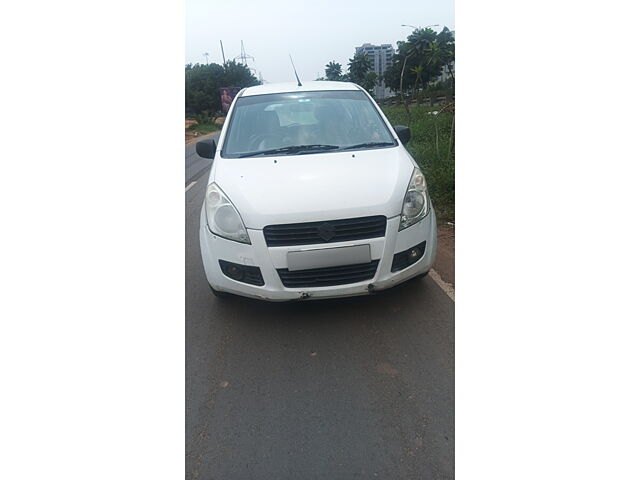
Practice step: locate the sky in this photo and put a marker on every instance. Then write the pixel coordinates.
(314, 33)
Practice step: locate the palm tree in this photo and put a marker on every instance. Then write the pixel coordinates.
(416, 45)
(333, 71)
(359, 65)
(417, 71)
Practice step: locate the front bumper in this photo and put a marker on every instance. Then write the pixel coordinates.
(214, 248)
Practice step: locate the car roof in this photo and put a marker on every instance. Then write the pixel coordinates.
(293, 87)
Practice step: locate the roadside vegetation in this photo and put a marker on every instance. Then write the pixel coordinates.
(202, 94)
(202, 84)
(432, 145)
(205, 123)
(203, 129)
(423, 66)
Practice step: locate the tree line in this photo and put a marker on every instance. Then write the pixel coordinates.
(203, 81)
(417, 63)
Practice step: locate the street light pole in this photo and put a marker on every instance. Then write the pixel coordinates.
(419, 28)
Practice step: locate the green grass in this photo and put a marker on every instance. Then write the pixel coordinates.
(205, 128)
(429, 146)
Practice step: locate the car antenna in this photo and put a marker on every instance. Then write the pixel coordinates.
(294, 71)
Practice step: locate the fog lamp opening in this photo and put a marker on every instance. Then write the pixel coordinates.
(234, 272)
(242, 273)
(414, 254)
(408, 257)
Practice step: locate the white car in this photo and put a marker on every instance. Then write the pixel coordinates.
(312, 195)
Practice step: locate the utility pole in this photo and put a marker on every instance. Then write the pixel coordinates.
(222, 48)
(206, 56)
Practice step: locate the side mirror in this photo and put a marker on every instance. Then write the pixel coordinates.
(404, 133)
(206, 148)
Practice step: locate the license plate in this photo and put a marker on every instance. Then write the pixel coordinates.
(328, 257)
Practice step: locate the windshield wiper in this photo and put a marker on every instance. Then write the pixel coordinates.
(290, 150)
(368, 144)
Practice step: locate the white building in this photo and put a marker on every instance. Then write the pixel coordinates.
(445, 75)
(381, 57)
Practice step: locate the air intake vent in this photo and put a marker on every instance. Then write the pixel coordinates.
(330, 231)
(326, 277)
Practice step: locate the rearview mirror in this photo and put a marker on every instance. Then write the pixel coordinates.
(206, 148)
(404, 133)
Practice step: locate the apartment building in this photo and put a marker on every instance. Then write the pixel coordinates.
(381, 57)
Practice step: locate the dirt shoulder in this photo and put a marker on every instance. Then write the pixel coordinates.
(445, 256)
(191, 136)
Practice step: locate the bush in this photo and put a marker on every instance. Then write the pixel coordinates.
(431, 139)
(203, 118)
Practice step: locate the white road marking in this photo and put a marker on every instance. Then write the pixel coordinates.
(447, 287)
(190, 185)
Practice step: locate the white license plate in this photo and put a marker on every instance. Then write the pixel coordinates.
(328, 257)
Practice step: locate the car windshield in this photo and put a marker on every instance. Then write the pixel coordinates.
(304, 122)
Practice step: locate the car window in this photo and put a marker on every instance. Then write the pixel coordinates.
(339, 118)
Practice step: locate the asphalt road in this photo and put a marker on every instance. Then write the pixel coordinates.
(334, 389)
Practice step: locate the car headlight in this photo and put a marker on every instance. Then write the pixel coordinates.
(416, 203)
(222, 217)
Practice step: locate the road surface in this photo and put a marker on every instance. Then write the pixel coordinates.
(334, 389)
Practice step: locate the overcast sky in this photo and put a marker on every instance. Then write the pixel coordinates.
(313, 32)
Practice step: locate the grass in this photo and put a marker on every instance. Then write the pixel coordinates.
(429, 146)
(205, 128)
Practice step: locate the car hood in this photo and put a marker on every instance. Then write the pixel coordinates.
(314, 187)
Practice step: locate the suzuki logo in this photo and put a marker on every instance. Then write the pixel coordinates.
(326, 231)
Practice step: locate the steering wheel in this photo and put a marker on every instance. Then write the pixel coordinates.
(257, 139)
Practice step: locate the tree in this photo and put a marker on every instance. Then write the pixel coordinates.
(203, 81)
(420, 59)
(391, 75)
(419, 41)
(417, 71)
(370, 80)
(447, 44)
(359, 65)
(238, 75)
(333, 71)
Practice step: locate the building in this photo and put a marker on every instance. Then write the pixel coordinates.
(445, 75)
(381, 57)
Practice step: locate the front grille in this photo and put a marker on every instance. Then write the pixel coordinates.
(326, 277)
(325, 232)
